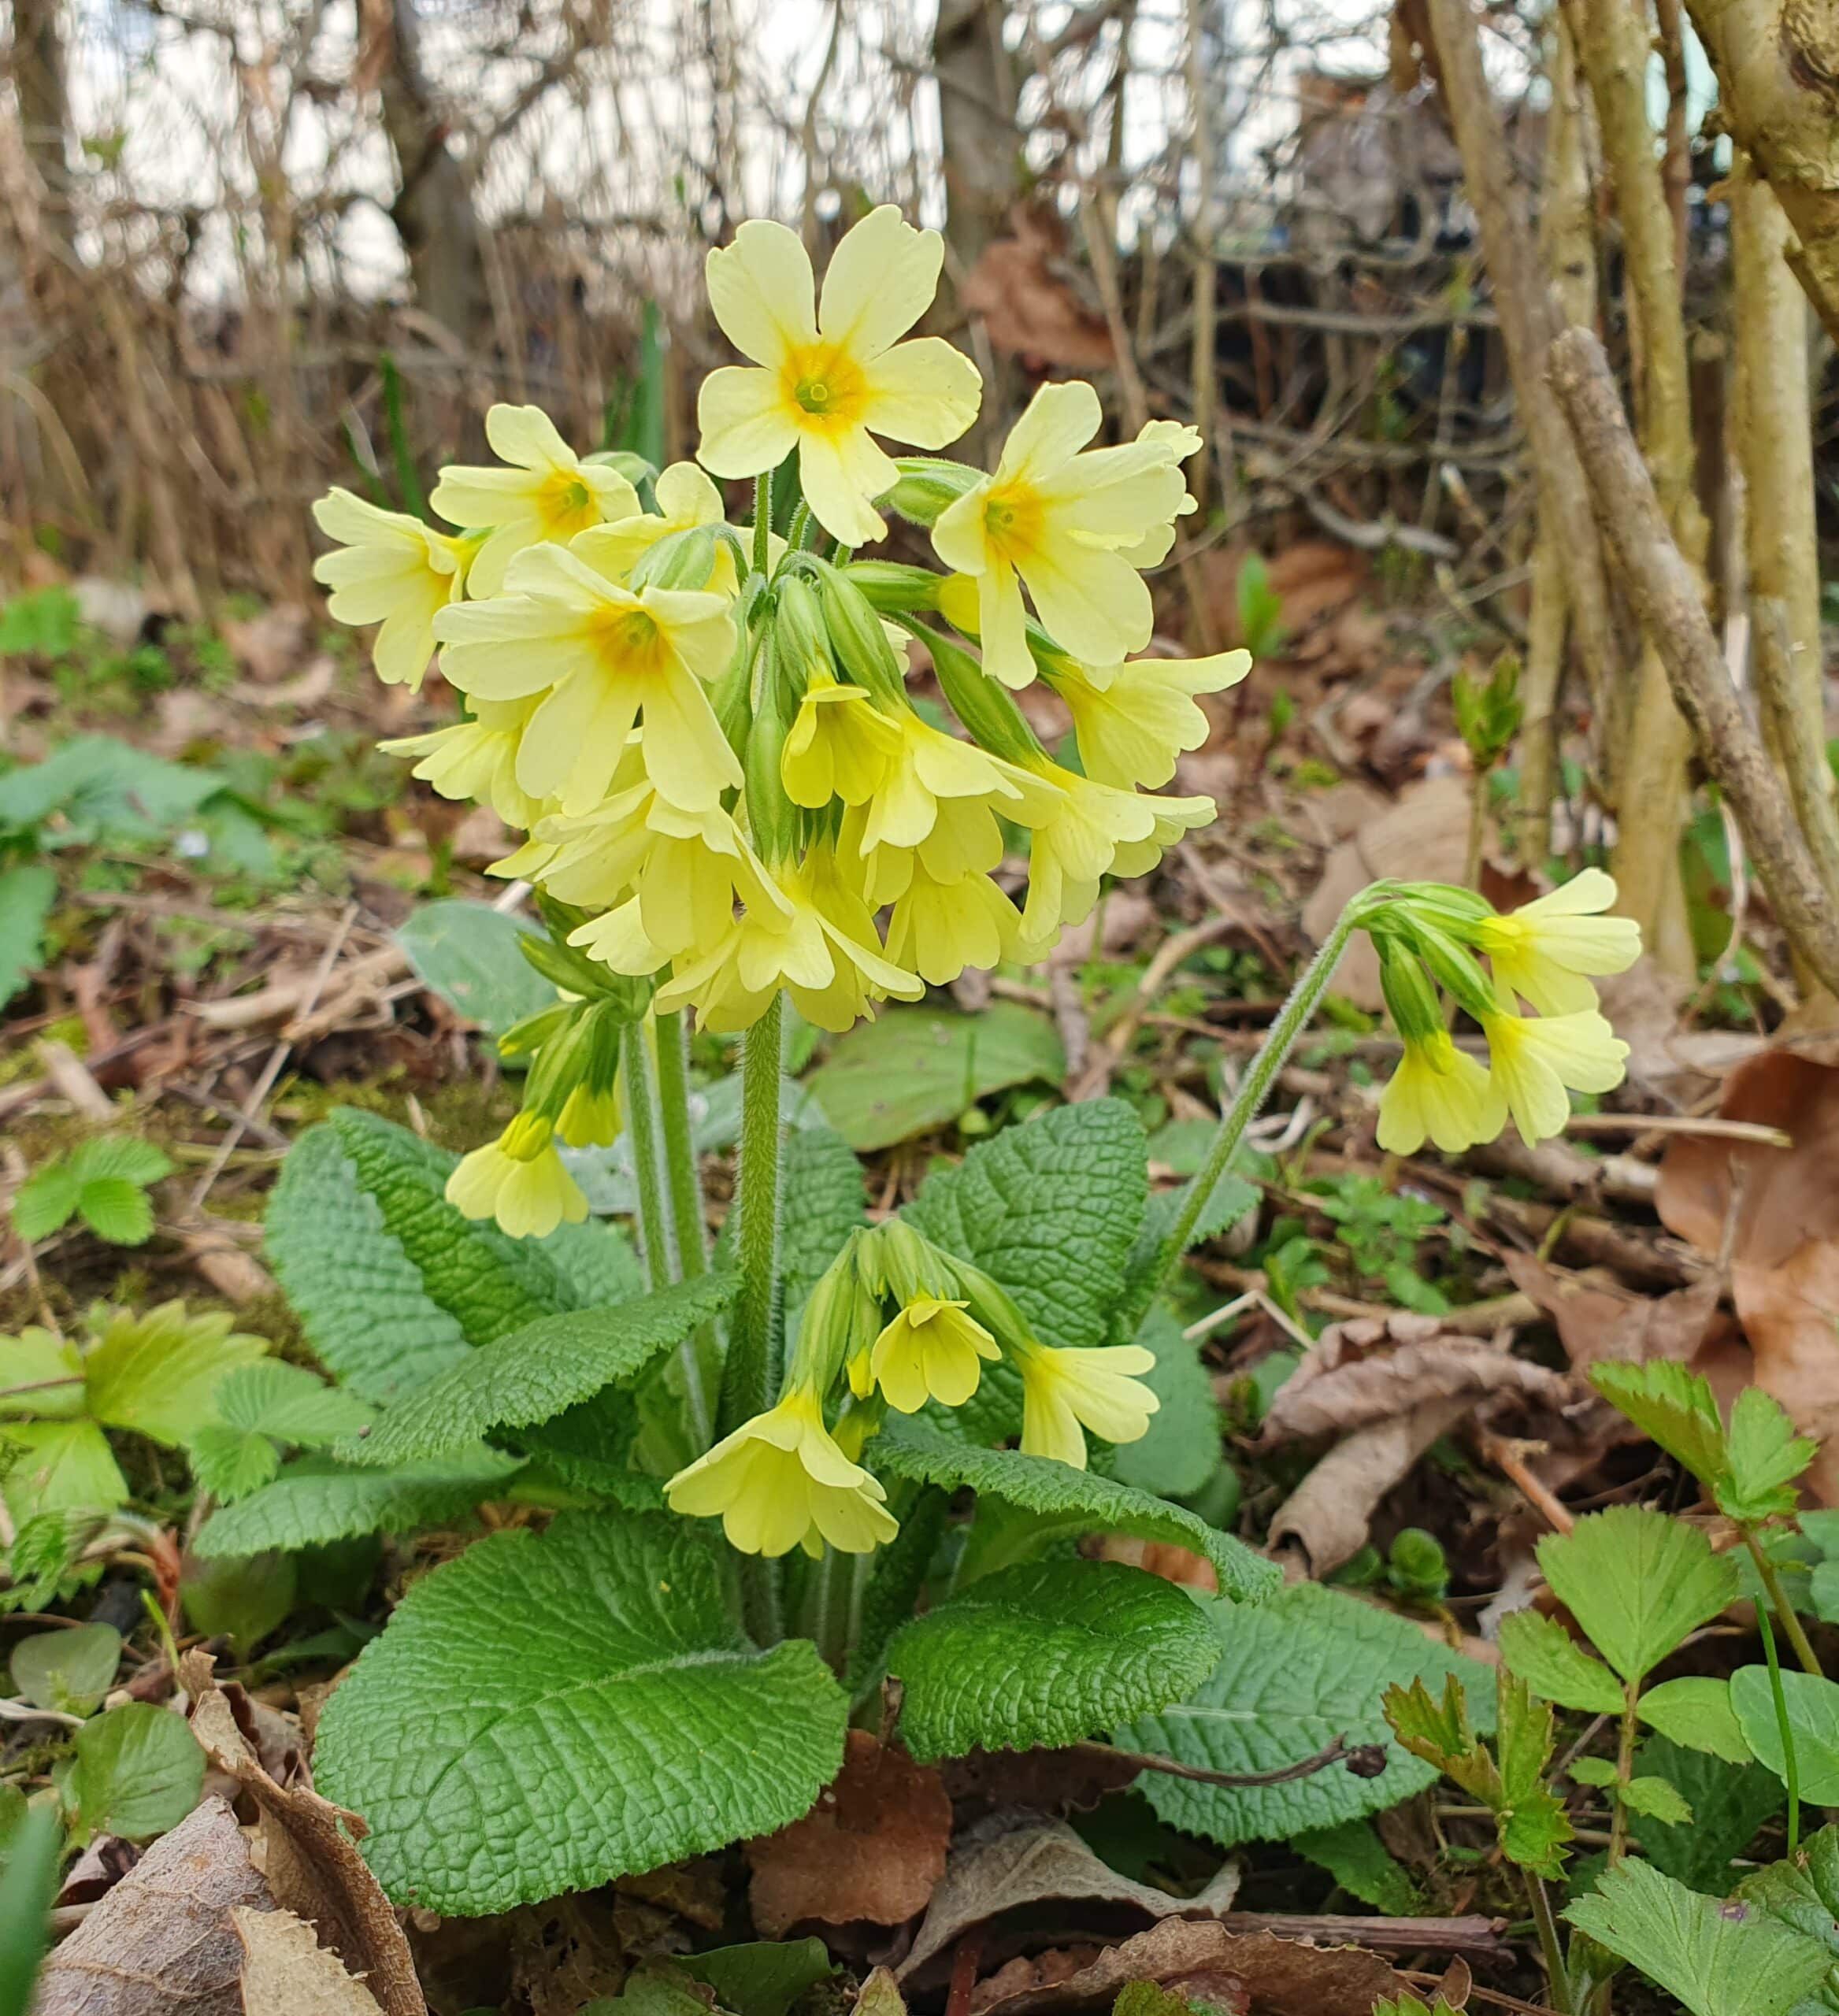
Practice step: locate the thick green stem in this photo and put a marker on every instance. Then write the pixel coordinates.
(1557, 1975)
(800, 526)
(634, 1063)
(1785, 1611)
(762, 520)
(1624, 1770)
(1790, 1764)
(831, 1609)
(1259, 1080)
(686, 1212)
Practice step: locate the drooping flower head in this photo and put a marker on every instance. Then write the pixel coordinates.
(391, 570)
(520, 1180)
(1064, 1393)
(1546, 951)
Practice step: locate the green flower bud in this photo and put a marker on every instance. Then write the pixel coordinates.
(801, 639)
(861, 645)
(985, 707)
(772, 816)
(892, 588)
(1455, 968)
(1419, 1567)
(1410, 995)
(680, 560)
(524, 1038)
(841, 1321)
(928, 484)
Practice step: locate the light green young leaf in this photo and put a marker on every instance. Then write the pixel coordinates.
(1435, 1729)
(1047, 1654)
(40, 1376)
(1697, 1713)
(26, 893)
(272, 1397)
(1670, 1406)
(58, 1466)
(1717, 1960)
(1729, 1804)
(1554, 1665)
(231, 1462)
(315, 1500)
(45, 1201)
(158, 1373)
(115, 1209)
(1305, 1666)
(536, 1373)
(1659, 1799)
(1182, 1450)
(507, 1735)
(764, 1978)
(1637, 1582)
(70, 1670)
(1531, 1820)
(1065, 1503)
(1766, 1456)
(1355, 1857)
(1598, 1771)
(138, 1772)
(1813, 1721)
(123, 1155)
(391, 1284)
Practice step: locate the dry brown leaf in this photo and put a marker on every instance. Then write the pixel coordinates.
(162, 1942)
(1598, 1320)
(1425, 837)
(1778, 1209)
(1028, 310)
(286, 1972)
(1257, 1972)
(1677, 1064)
(309, 1849)
(1330, 1513)
(873, 1848)
(982, 1781)
(1017, 1862)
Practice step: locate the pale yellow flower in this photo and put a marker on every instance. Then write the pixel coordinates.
(838, 746)
(687, 502)
(1086, 830)
(1133, 721)
(520, 1180)
(1544, 949)
(600, 654)
(1441, 1093)
(547, 493)
(477, 759)
(940, 928)
(1533, 1058)
(832, 377)
(1063, 1391)
(1065, 524)
(926, 766)
(781, 1481)
(932, 1351)
(392, 570)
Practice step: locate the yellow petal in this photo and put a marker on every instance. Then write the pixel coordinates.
(760, 288)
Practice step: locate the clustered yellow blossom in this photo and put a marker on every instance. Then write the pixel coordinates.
(896, 1323)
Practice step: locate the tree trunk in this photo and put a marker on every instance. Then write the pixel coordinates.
(38, 79)
(976, 124)
(433, 211)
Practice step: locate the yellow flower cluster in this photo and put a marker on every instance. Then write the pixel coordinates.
(1546, 954)
(706, 730)
(896, 1323)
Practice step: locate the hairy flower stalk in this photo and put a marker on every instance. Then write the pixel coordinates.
(731, 799)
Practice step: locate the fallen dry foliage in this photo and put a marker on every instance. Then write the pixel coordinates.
(872, 1850)
(286, 1972)
(1774, 1212)
(1031, 309)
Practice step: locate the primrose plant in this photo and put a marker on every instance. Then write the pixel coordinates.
(732, 797)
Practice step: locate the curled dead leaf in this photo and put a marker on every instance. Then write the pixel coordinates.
(872, 1850)
(1030, 310)
(286, 1972)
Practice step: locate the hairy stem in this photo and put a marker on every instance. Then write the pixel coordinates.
(762, 520)
(1557, 1975)
(686, 1212)
(1260, 1078)
(634, 1062)
(1790, 1766)
(1625, 1770)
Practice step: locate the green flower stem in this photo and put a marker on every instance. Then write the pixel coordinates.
(635, 1064)
(686, 1212)
(1785, 1611)
(1255, 1088)
(830, 1607)
(1624, 1770)
(1791, 1767)
(762, 520)
(751, 1378)
(1557, 1975)
(800, 525)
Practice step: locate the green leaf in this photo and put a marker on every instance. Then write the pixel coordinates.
(45, 1201)
(467, 953)
(1531, 1819)
(158, 1373)
(28, 1883)
(1717, 1960)
(1637, 1582)
(1813, 1723)
(1182, 1451)
(1066, 1503)
(287, 1402)
(897, 1573)
(1047, 1654)
(822, 1205)
(1598, 1771)
(1553, 1664)
(1729, 1804)
(115, 1209)
(315, 1500)
(1670, 1406)
(58, 1466)
(123, 1155)
(1301, 1668)
(27, 894)
(536, 1373)
(764, 1978)
(40, 1375)
(1803, 1894)
(391, 1284)
(1766, 1456)
(1659, 1801)
(913, 1069)
(1697, 1714)
(1048, 1210)
(243, 1598)
(71, 1670)
(549, 1711)
(1233, 1196)
(139, 1771)
(1355, 1857)
(231, 1462)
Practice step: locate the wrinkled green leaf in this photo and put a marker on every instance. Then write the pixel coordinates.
(1729, 1804)
(1179, 1455)
(315, 1500)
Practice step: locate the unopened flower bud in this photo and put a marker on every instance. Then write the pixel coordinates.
(928, 483)
(861, 646)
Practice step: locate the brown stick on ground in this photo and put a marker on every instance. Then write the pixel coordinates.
(1666, 592)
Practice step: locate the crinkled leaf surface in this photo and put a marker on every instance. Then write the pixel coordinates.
(551, 1711)
(1637, 1582)
(287, 1402)
(26, 893)
(1729, 1804)
(1298, 1670)
(315, 1500)
(1046, 1654)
